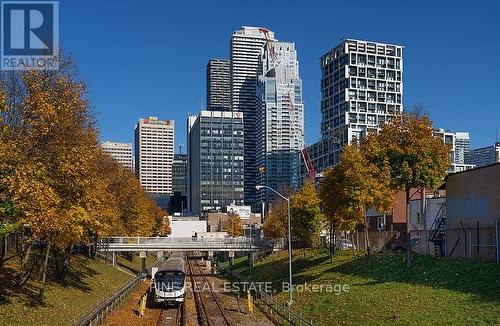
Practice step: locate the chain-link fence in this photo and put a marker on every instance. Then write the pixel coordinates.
(378, 240)
(471, 242)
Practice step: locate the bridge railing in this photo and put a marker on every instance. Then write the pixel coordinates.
(169, 240)
(240, 242)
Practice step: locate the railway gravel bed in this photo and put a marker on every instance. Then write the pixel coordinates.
(234, 307)
(222, 308)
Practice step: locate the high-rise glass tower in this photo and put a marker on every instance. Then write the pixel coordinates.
(361, 88)
(280, 119)
(246, 47)
(179, 174)
(218, 85)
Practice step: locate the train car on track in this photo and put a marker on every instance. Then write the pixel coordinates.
(170, 279)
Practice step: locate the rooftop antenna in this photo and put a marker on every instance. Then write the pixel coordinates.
(180, 148)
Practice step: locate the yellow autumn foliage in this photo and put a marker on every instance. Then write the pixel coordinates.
(63, 186)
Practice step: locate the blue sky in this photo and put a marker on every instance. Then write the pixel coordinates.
(147, 58)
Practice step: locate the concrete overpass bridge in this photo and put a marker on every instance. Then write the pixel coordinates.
(127, 244)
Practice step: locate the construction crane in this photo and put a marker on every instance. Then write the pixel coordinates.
(270, 46)
(311, 172)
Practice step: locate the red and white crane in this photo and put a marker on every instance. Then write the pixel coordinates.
(269, 42)
(311, 172)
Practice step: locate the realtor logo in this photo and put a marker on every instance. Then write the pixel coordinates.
(29, 35)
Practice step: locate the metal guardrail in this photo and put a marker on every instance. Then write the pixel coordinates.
(172, 244)
(98, 312)
(293, 316)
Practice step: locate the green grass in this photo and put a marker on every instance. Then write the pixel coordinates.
(383, 291)
(88, 282)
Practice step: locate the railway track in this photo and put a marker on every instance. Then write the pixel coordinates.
(210, 312)
(179, 319)
(160, 321)
(168, 317)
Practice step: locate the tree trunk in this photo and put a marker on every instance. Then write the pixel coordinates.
(22, 269)
(57, 254)
(3, 250)
(19, 245)
(367, 240)
(408, 240)
(352, 242)
(94, 249)
(44, 275)
(65, 268)
(62, 259)
(41, 259)
(332, 240)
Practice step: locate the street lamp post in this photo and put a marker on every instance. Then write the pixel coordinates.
(290, 301)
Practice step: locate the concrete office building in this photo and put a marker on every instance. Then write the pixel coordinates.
(154, 155)
(361, 88)
(121, 152)
(218, 85)
(484, 156)
(215, 155)
(460, 147)
(280, 120)
(246, 47)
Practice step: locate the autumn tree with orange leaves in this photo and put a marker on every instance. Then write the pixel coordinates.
(276, 223)
(414, 156)
(351, 188)
(305, 214)
(55, 180)
(234, 226)
(405, 154)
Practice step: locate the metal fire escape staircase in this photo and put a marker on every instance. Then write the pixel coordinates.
(437, 232)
